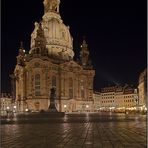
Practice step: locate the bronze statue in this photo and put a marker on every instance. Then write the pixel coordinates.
(52, 107)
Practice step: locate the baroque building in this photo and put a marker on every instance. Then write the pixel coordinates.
(50, 63)
(6, 103)
(116, 97)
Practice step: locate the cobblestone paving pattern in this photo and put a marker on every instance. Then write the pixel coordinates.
(130, 134)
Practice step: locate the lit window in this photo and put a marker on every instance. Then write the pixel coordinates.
(82, 89)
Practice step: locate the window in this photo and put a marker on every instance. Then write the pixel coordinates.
(54, 81)
(82, 93)
(63, 35)
(70, 93)
(70, 88)
(37, 84)
(90, 84)
(82, 84)
(70, 83)
(82, 89)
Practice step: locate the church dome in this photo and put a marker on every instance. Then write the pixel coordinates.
(59, 42)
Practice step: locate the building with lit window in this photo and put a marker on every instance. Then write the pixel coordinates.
(142, 87)
(114, 97)
(6, 103)
(50, 63)
(97, 101)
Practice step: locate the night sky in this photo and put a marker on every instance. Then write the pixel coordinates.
(115, 32)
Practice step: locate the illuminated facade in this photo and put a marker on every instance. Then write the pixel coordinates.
(6, 103)
(142, 87)
(116, 97)
(50, 63)
(97, 100)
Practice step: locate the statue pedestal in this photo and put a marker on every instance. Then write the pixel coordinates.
(52, 108)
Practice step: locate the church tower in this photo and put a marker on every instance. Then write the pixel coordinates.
(20, 79)
(21, 55)
(84, 55)
(49, 64)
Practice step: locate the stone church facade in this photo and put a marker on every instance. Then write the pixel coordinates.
(49, 64)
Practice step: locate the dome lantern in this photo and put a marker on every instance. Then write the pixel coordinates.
(51, 6)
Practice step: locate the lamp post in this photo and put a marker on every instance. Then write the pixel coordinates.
(26, 110)
(65, 106)
(14, 108)
(8, 110)
(87, 107)
(8, 107)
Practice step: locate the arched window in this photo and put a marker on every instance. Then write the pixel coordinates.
(82, 89)
(82, 93)
(37, 84)
(70, 83)
(53, 81)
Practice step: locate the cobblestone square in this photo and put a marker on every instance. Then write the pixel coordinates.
(96, 131)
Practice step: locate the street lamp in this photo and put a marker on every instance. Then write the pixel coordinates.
(14, 108)
(8, 111)
(65, 107)
(8, 107)
(87, 106)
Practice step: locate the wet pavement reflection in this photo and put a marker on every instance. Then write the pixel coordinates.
(77, 130)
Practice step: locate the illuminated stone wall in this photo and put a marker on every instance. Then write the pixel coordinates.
(142, 87)
(117, 97)
(50, 63)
